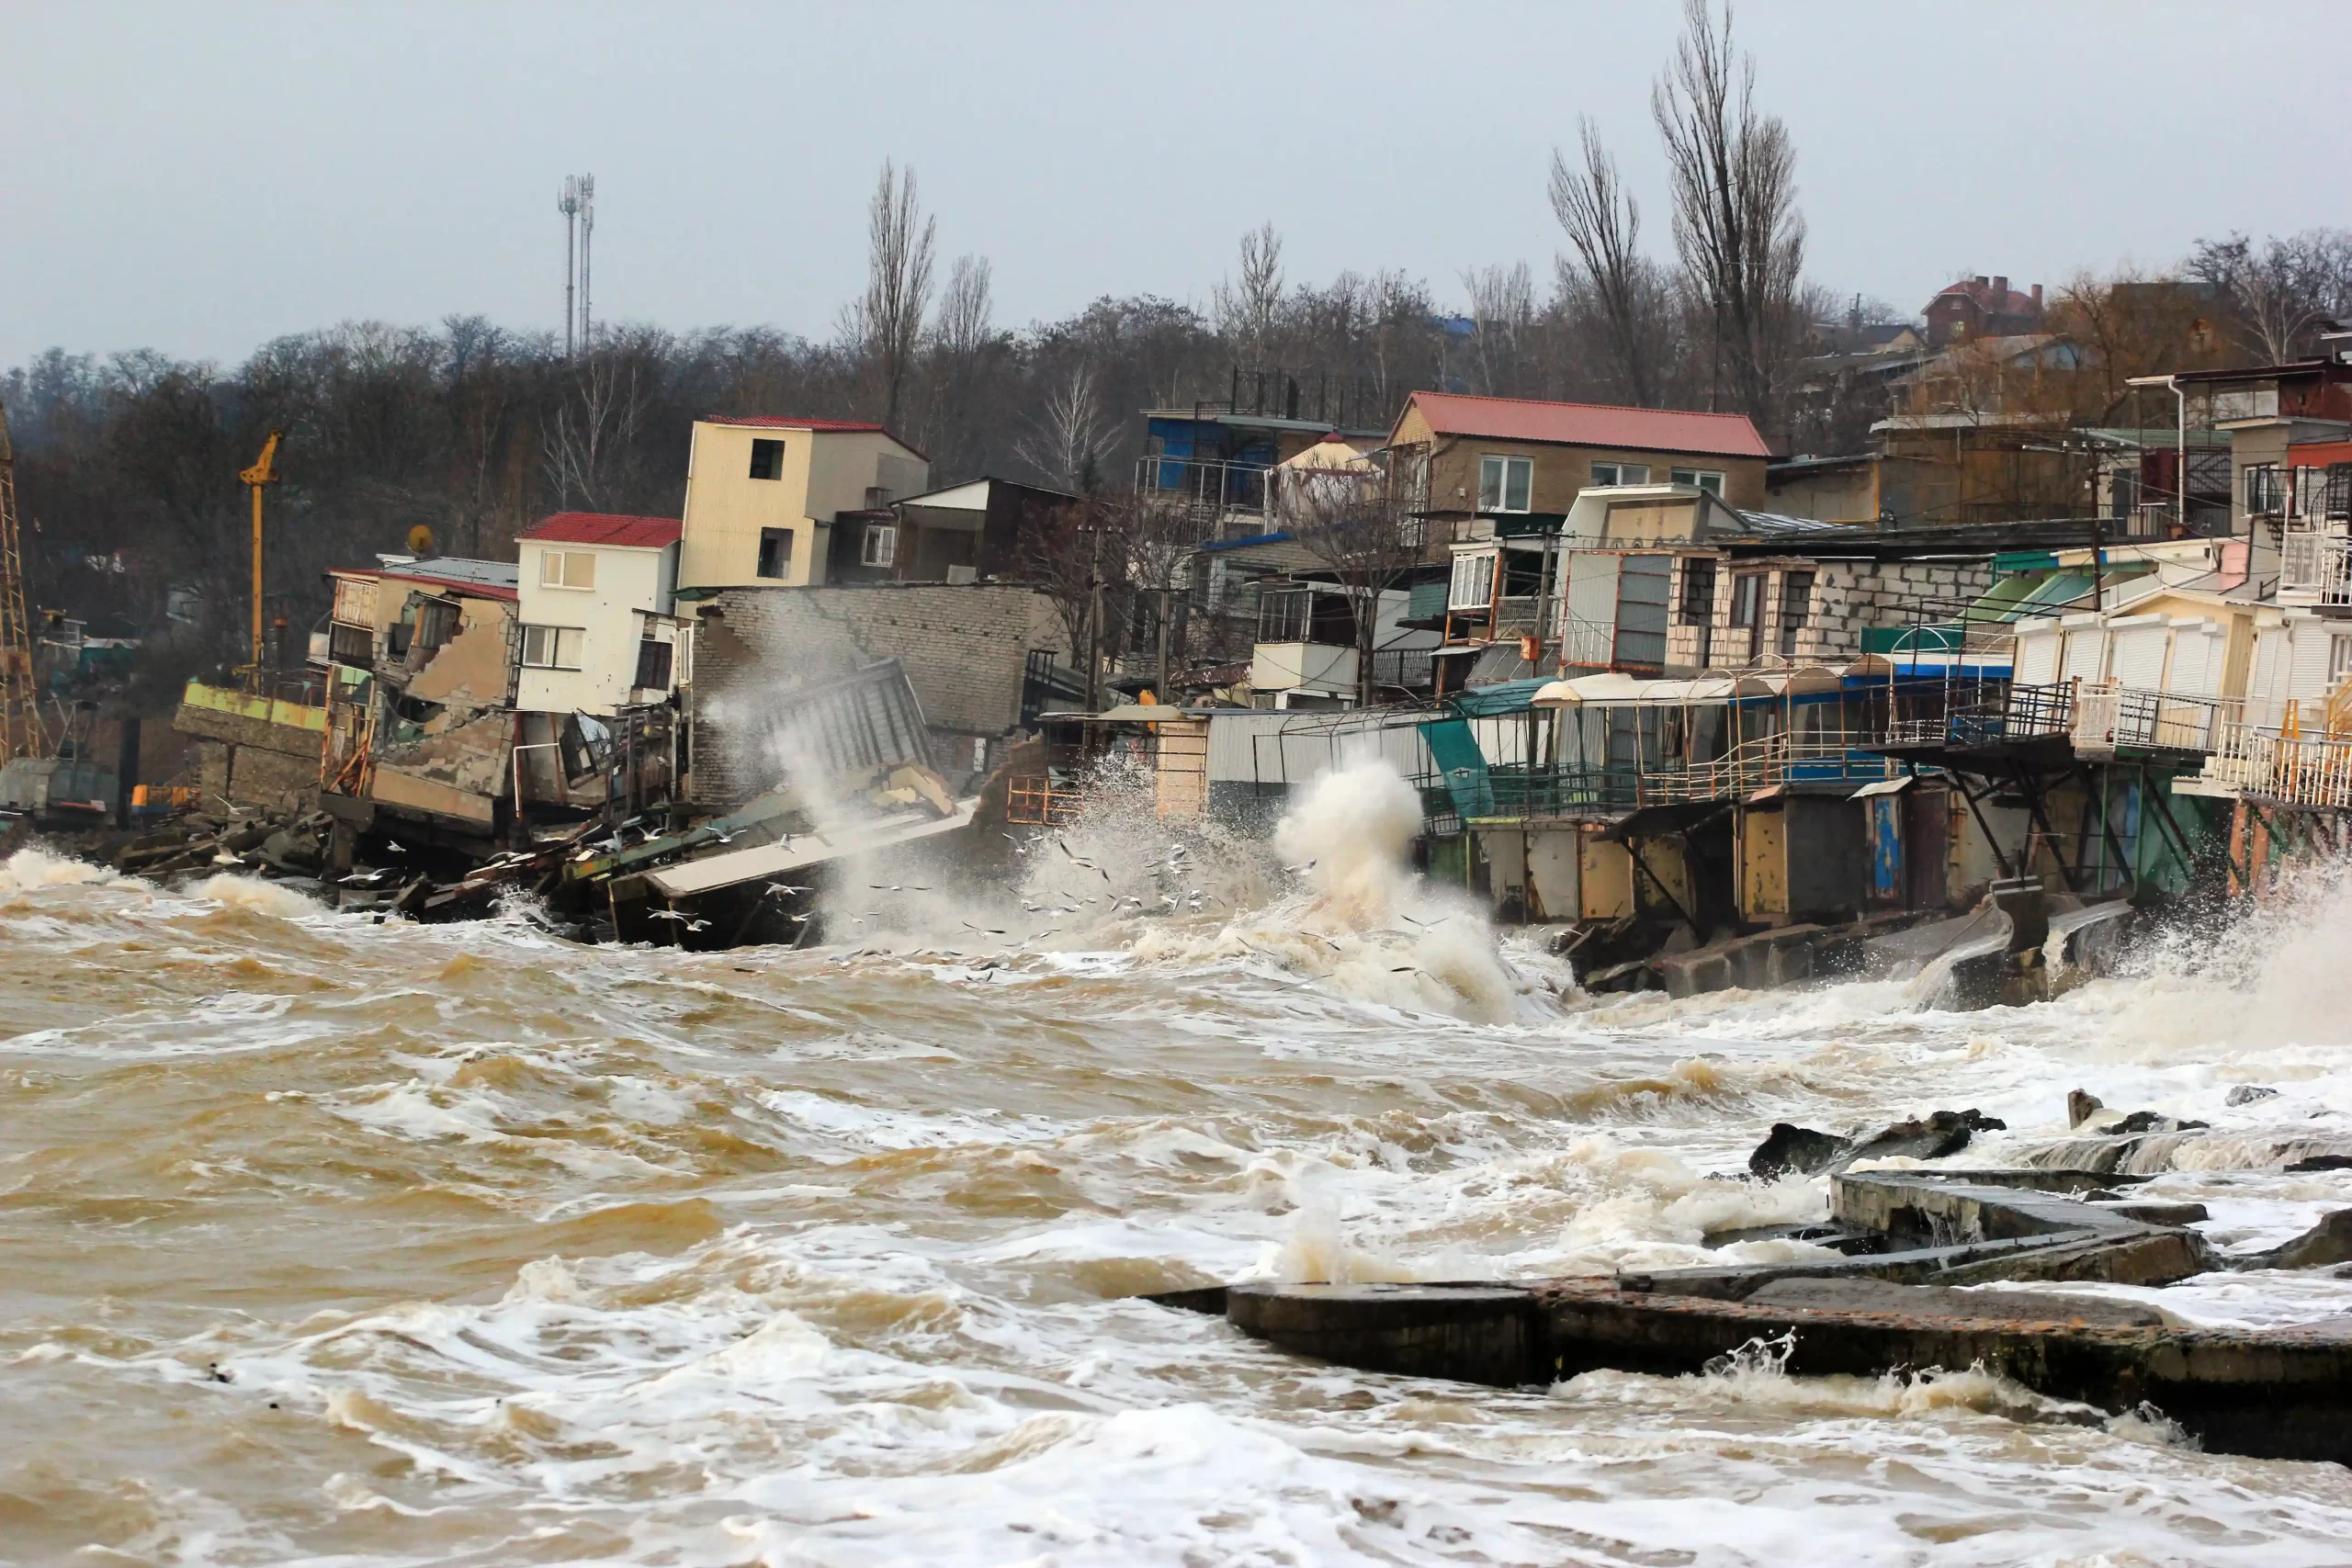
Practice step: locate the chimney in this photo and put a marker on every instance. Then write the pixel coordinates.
(1983, 283)
(2000, 293)
(2037, 298)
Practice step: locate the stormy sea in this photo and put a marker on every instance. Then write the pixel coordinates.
(323, 1240)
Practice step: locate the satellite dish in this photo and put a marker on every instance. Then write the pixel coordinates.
(420, 540)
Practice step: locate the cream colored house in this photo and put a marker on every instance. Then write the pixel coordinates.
(597, 599)
(775, 503)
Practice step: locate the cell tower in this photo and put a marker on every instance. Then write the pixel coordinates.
(587, 235)
(567, 201)
(577, 201)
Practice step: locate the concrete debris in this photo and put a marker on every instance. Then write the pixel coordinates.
(1802, 1149)
(1788, 1147)
(2081, 1107)
(1902, 1306)
(2320, 1162)
(2326, 1243)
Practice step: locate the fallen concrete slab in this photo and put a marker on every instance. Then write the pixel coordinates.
(2271, 1393)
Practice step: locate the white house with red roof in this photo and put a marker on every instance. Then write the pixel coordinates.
(775, 501)
(598, 632)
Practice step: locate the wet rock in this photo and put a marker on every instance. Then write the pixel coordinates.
(2320, 1162)
(2247, 1093)
(1929, 1137)
(2155, 1121)
(2330, 1241)
(1789, 1148)
(2082, 1107)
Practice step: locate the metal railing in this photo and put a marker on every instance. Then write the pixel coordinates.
(1213, 487)
(1410, 668)
(1550, 790)
(2293, 770)
(2318, 564)
(2107, 717)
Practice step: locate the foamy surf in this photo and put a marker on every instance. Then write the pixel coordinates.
(392, 1245)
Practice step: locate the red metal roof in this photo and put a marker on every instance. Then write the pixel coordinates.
(1592, 425)
(605, 528)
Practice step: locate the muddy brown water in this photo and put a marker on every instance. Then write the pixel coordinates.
(329, 1241)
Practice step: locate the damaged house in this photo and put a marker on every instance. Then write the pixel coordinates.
(603, 662)
(420, 698)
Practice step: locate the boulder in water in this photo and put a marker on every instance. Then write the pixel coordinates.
(2247, 1093)
(2155, 1121)
(1932, 1136)
(1789, 1148)
(2081, 1107)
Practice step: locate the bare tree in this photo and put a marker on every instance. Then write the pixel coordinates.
(1070, 433)
(1736, 227)
(1354, 523)
(1247, 310)
(593, 432)
(1603, 222)
(888, 322)
(1502, 304)
(966, 307)
(2283, 291)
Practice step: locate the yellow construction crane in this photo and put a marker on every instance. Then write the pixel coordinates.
(20, 728)
(263, 472)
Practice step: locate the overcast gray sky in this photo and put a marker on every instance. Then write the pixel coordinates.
(199, 178)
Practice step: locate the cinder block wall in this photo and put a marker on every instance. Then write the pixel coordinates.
(966, 647)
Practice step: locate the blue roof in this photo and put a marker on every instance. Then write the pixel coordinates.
(1215, 545)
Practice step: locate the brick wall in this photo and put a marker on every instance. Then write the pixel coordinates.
(1849, 598)
(965, 646)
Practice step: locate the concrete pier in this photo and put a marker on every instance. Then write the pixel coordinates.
(2270, 1394)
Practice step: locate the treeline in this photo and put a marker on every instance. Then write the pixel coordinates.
(128, 464)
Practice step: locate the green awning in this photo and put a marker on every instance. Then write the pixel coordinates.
(1461, 765)
(1503, 697)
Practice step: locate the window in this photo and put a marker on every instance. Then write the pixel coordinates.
(775, 552)
(567, 568)
(1698, 590)
(1748, 608)
(881, 545)
(1797, 601)
(2265, 493)
(1281, 615)
(552, 647)
(1607, 474)
(436, 623)
(2339, 658)
(652, 666)
(1505, 483)
(1709, 479)
(1474, 583)
(354, 646)
(767, 459)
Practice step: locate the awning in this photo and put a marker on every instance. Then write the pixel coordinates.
(1884, 786)
(1795, 681)
(1492, 702)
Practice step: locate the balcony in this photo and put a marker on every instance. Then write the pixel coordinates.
(2291, 770)
(1318, 668)
(1224, 499)
(2315, 569)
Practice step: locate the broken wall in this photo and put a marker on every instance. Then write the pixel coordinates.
(965, 646)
